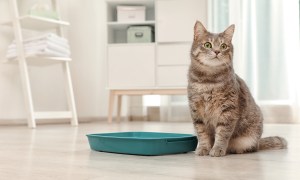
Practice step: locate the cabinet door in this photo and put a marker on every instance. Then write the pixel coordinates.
(131, 66)
(176, 19)
(172, 76)
(173, 54)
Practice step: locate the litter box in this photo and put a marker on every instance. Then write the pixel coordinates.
(143, 143)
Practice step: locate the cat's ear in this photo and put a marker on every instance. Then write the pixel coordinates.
(228, 33)
(199, 29)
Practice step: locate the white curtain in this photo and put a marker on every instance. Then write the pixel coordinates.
(266, 55)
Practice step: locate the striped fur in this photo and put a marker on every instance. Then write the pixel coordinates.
(225, 115)
(274, 142)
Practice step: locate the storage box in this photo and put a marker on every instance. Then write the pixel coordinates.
(140, 34)
(131, 13)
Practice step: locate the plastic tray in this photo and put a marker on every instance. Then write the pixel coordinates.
(143, 143)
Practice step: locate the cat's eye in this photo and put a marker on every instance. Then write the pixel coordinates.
(223, 46)
(207, 45)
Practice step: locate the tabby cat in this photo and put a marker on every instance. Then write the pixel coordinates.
(225, 115)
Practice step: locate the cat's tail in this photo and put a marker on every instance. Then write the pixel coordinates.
(273, 142)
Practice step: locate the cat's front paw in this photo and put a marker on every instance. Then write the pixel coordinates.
(202, 151)
(217, 152)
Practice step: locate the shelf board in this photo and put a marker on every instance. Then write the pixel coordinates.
(41, 61)
(147, 3)
(124, 25)
(115, 23)
(130, 44)
(38, 23)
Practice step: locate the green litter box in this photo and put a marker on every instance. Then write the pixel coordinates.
(143, 143)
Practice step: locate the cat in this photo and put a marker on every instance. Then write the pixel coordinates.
(225, 116)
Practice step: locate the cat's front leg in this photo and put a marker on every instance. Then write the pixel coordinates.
(223, 132)
(204, 138)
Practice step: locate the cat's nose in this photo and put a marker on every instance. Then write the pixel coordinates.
(217, 52)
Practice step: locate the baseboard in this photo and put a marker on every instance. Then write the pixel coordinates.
(18, 122)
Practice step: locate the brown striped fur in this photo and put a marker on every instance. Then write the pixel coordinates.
(225, 115)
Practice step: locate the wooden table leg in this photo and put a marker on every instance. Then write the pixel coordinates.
(111, 105)
(119, 108)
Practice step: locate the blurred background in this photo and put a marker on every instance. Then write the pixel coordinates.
(266, 56)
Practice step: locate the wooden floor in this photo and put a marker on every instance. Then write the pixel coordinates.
(62, 152)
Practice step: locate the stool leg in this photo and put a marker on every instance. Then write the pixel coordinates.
(119, 108)
(111, 105)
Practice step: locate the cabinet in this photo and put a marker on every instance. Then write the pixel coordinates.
(172, 76)
(159, 67)
(173, 54)
(172, 64)
(131, 69)
(175, 22)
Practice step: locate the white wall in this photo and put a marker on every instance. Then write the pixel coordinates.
(86, 36)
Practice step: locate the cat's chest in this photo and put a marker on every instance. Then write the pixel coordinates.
(209, 103)
(205, 104)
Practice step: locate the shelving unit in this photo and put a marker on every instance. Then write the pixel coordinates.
(117, 31)
(40, 24)
(159, 67)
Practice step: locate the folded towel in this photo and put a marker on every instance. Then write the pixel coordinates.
(40, 46)
(44, 53)
(50, 37)
(45, 45)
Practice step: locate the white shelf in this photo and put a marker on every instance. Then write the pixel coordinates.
(41, 61)
(116, 23)
(125, 25)
(38, 23)
(117, 31)
(130, 44)
(148, 3)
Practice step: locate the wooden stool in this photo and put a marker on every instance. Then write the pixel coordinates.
(120, 92)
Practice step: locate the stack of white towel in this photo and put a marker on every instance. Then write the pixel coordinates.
(49, 45)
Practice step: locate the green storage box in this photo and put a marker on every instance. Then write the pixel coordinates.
(143, 143)
(140, 34)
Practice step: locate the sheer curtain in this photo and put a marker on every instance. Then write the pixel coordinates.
(267, 53)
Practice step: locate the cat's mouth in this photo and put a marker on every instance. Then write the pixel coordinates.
(215, 58)
(213, 62)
